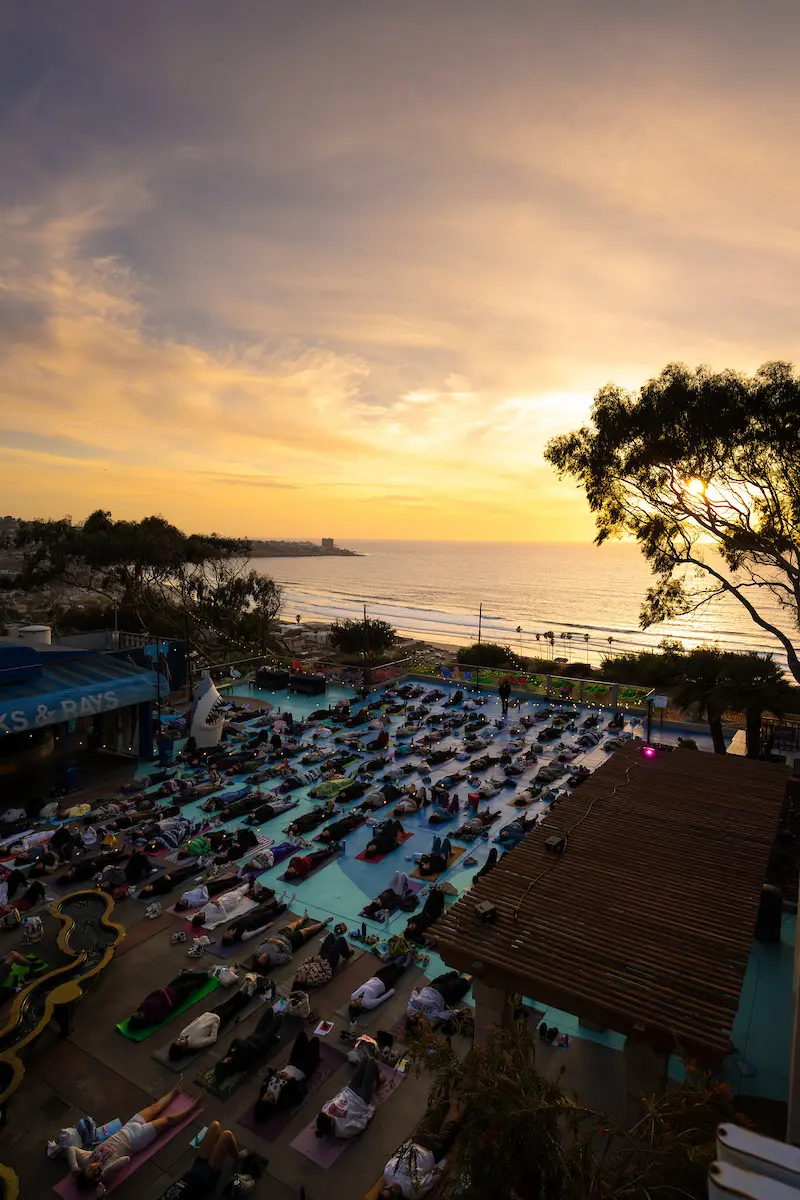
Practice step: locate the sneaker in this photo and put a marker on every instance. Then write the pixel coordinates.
(470, 861)
(178, 937)
(153, 910)
(196, 951)
(201, 940)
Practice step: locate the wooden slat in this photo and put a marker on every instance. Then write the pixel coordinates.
(648, 917)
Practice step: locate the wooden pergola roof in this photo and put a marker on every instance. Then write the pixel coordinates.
(645, 923)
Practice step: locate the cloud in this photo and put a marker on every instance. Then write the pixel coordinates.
(369, 258)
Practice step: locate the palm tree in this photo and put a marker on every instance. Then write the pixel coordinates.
(700, 687)
(755, 684)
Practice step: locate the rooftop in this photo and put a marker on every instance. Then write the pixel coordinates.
(645, 923)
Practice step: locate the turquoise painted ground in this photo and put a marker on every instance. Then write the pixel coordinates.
(344, 885)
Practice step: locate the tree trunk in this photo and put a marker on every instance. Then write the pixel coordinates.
(753, 732)
(717, 736)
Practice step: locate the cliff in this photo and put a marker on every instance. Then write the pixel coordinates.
(276, 549)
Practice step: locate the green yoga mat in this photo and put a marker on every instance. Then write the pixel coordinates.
(139, 1035)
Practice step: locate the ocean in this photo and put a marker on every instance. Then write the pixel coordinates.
(433, 590)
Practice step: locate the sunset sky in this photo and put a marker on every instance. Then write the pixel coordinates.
(340, 267)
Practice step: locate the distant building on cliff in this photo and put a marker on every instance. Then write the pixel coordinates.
(327, 544)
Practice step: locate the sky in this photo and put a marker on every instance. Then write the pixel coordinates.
(341, 267)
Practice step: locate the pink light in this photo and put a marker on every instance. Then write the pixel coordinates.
(649, 752)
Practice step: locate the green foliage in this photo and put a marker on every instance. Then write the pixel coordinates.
(370, 637)
(488, 654)
(695, 463)
(157, 578)
(523, 1136)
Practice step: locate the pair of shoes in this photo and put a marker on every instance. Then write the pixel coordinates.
(196, 951)
(153, 910)
(470, 861)
(178, 937)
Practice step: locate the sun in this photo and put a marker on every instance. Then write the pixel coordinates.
(696, 487)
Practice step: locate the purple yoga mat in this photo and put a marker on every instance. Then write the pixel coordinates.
(67, 1189)
(324, 1151)
(330, 1059)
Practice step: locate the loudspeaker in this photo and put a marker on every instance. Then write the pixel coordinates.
(555, 844)
(486, 912)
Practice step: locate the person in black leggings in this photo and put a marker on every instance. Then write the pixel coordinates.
(387, 837)
(254, 922)
(245, 1053)
(284, 1089)
(432, 910)
(86, 868)
(308, 821)
(451, 986)
(226, 1011)
(339, 829)
(240, 842)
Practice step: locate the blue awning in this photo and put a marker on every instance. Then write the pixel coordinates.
(76, 687)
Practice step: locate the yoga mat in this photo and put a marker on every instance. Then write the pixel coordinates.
(162, 1054)
(362, 857)
(320, 867)
(290, 1028)
(242, 908)
(67, 1188)
(330, 1059)
(455, 854)
(416, 886)
(355, 827)
(139, 1035)
(324, 1151)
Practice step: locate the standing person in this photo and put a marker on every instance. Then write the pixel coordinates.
(504, 691)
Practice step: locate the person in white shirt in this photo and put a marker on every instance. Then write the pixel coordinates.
(351, 1110)
(100, 1166)
(380, 987)
(416, 1168)
(430, 1003)
(223, 907)
(204, 1030)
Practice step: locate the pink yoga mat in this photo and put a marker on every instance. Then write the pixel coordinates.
(380, 857)
(67, 1189)
(324, 1151)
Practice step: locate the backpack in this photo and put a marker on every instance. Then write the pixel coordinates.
(32, 930)
(198, 846)
(263, 860)
(397, 945)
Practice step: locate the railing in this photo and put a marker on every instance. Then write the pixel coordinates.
(780, 735)
(554, 687)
